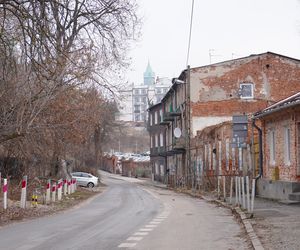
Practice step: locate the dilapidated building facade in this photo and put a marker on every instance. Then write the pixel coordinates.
(202, 98)
(281, 149)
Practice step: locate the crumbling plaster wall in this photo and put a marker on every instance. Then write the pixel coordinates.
(214, 89)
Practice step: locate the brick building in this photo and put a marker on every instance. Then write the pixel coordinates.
(210, 95)
(281, 149)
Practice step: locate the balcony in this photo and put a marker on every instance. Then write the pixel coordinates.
(177, 147)
(179, 143)
(157, 151)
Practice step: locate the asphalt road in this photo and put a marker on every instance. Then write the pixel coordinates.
(103, 223)
(131, 216)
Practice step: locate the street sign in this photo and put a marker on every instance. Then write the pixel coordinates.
(237, 119)
(240, 126)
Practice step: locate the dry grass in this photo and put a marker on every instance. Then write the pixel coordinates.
(15, 213)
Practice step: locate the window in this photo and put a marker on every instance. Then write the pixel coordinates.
(162, 172)
(272, 146)
(136, 99)
(156, 140)
(151, 119)
(246, 91)
(136, 91)
(137, 117)
(144, 99)
(161, 115)
(143, 91)
(136, 108)
(161, 139)
(287, 145)
(156, 117)
(158, 91)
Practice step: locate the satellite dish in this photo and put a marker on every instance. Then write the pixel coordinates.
(177, 132)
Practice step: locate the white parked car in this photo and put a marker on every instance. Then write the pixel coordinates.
(85, 179)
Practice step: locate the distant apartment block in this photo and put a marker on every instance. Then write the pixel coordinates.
(135, 100)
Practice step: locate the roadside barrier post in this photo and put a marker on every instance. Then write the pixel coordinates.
(5, 193)
(243, 192)
(72, 186)
(75, 184)
(65, 186)
(48, 192)
(253, 195)
(69, 186)
(218, 187)
(23, 193)
(224, 187)
(59, 190)
(231, 187)
(53, 191)
(34, 198)
(236, 190)
(248, 193)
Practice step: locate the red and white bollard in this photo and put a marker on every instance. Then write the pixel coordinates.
(72, 186)
(65, 187)
(53, 192)
(23, 193)
(59, 190)
(75, 184)
(48, 192)
(69, 186)
(5, 188)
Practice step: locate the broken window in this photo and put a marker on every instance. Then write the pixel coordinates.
(246, 91)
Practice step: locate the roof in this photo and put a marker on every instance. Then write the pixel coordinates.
(154, 106)
(288, 102)
(182, 74)
(149, 72)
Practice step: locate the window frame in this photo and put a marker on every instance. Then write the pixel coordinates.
(272, 147)
(252, 90)
(287, 145)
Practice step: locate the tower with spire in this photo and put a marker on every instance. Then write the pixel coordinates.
(149, 75)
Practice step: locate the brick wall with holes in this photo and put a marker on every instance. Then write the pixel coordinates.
(215, 88)
(288, 165)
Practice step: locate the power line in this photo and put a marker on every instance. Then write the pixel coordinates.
(190, 35)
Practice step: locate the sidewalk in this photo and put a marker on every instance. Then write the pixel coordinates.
(275, 225)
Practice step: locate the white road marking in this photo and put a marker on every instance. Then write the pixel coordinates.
(134, 238)
(162, 218)
(151, 226)
(141, 233)
(155, 222)
(146, 229)
(127, 245)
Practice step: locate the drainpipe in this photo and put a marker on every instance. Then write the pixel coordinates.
(260, 150)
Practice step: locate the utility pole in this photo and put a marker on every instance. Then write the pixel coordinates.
(188, 117)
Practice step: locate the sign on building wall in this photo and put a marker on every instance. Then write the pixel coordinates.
(239, 131)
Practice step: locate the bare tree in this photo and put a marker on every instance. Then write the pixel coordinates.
(50, 50)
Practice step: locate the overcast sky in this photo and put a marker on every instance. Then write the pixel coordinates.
(232, 28)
